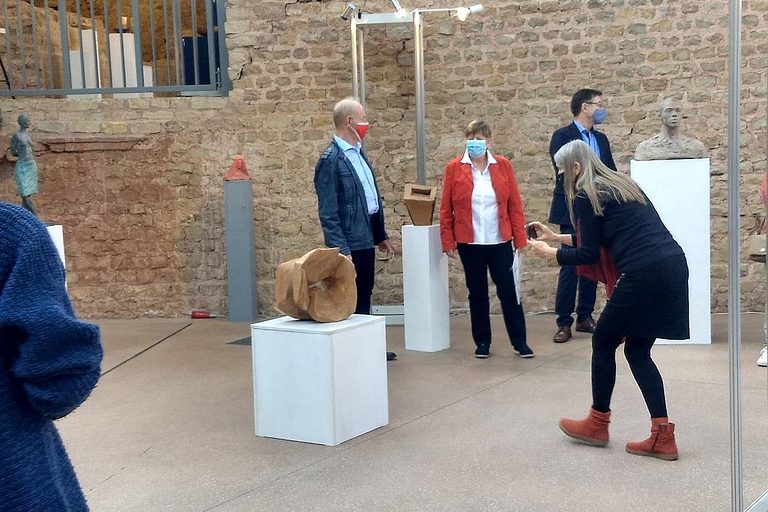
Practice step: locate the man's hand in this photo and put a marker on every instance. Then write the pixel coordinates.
(451, 253)
(388, 247)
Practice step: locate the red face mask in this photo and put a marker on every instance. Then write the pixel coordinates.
(361, 129)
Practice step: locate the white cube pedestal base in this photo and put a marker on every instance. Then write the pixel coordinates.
(425, 290)
(679, 190)
(319, 383)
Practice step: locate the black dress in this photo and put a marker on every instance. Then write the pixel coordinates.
(651, 295)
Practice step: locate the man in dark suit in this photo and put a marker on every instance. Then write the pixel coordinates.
(587, 110)
(349, 203)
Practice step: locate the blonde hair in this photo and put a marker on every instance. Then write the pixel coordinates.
(594, 180)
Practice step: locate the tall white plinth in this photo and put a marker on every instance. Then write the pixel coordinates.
(679, 190)
(85, 68)
(319, 383)
(425, 290)
(124, 69)
(57, 235)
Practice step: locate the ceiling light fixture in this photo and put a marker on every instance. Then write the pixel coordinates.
(348, 9)
(399, 11)
(462, 13)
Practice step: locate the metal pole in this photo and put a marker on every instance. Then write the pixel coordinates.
(137, 43)
(361, 65)
(64, 37)
(734, 261)
(418, 58)
(353, 36)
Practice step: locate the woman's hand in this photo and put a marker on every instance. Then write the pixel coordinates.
(451, 253)
(542, 249)
(543, 232)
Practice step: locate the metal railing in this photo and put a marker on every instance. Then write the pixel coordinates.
(118, 47)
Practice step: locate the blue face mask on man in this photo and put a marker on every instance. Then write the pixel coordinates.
(599, 115)
(476, 147)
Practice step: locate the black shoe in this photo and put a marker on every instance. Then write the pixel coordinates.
(391, 356)
(482, 351)
(524, 351)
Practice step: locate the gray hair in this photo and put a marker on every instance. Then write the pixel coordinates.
(344, 108)
(594, 180)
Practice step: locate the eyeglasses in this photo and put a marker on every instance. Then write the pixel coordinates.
(598, 103)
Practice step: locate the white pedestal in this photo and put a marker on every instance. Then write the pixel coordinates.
(148, 81)
(425, 289)
(57, 235)
(679, 189)
(127, 54)
(319, 383)
(88, 66)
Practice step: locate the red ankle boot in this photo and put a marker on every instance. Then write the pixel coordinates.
(592, 430)
(661, 444)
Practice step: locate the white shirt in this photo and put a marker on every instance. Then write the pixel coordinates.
(485, 211)
(364, 174)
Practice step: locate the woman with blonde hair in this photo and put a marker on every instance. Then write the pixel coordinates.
(621, 239)
(481, 219)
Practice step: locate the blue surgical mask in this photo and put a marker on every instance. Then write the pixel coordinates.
(476, 147)
(599, 116)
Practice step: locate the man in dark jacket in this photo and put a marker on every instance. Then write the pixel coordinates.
(349, 202)
(49, 363)
(588, 111)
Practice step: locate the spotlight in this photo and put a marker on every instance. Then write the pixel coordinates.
(349, 9)
(462, 13)
(399, 11)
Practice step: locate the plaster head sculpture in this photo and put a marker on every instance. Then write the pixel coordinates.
(669, 144)
(319, 286)
(26, 167)
(670, 113)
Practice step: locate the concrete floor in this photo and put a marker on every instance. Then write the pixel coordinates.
(170, 427)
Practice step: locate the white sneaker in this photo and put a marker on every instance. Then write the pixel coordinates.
(762, 360)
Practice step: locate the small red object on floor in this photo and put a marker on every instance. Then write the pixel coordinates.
(201, 313)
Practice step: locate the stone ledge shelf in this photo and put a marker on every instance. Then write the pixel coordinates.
(90, 143)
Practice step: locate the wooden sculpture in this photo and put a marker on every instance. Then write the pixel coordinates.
(319, 286)
(420, 201)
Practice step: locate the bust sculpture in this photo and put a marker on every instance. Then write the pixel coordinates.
(669, 144)
(26, 167)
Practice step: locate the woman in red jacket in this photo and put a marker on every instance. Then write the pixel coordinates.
(481, 217)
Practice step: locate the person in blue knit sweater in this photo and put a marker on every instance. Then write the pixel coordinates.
(49, 363)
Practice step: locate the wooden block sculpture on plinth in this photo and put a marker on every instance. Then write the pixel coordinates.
(319, 286)
(420, 201)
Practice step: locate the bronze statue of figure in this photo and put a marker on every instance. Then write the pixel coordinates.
(26, 167)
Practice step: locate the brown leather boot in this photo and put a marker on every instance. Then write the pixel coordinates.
(592, 430)
(661, 444)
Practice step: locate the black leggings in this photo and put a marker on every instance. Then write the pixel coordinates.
(638, 353)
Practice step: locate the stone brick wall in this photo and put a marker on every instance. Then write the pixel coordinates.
(144, 226)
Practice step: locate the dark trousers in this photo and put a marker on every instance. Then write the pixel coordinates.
(365, 266)
(638, 353)
(565, 300)
(497, 259)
